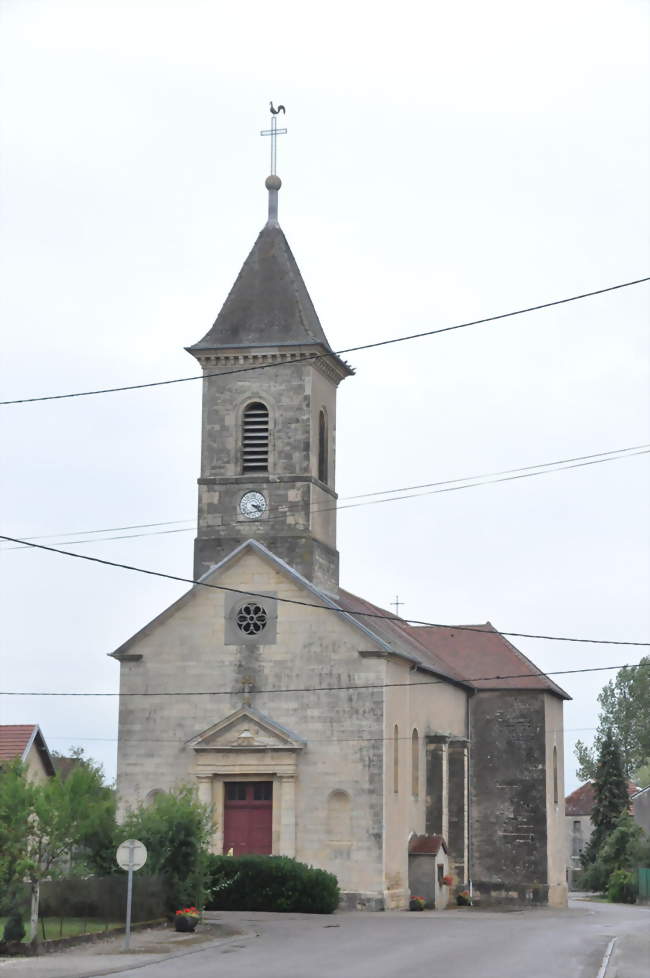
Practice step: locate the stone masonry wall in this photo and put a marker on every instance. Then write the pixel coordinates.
(508, 859)
(185, 649)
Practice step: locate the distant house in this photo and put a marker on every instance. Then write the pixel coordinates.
(26, 742)
(641, 808)
(578, 807)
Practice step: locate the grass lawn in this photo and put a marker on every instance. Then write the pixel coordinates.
(53, 928)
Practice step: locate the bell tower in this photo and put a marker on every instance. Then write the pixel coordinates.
(269, 417)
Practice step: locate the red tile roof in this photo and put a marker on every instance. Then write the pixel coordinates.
(464, 654)
(581, 801)
(426, 844)
(17, 738)
(483, 651)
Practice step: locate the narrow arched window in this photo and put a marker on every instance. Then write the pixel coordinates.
(339, 817)
(255, 438)
(322, 446)
(396, 759)
(555, 785)
(415, 764)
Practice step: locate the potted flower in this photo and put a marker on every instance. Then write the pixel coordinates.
(416, 903)
(186, 919)
(448, 880)
(463, 899)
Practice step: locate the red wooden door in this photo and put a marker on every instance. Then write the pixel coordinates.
(248, 817)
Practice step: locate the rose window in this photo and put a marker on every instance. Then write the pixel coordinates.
(251, 619)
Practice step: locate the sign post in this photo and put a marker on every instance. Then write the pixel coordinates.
(131, 855)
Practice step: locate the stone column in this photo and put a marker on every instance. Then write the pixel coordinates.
(217, 816)
(205, 789)
(457, 807)
(205, 782)
(288, 815)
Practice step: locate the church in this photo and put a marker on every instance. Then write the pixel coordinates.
(315, 724)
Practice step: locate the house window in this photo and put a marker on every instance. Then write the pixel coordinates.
(322, 446)
(415, 764)
(555, 786)
(255, 438)
(396, 759)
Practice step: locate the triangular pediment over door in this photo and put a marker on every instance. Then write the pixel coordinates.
(246, 730)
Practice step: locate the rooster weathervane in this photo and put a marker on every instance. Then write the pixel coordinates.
(274, 132)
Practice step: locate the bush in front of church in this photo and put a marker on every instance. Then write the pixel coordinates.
(269, 883)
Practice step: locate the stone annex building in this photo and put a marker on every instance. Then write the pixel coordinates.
(407, 744)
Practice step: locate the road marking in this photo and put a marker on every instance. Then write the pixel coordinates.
(605, 962)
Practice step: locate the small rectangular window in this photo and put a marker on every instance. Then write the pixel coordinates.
(263, 791)
(235, 791)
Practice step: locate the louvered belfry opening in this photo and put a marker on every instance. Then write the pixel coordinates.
(255, 438)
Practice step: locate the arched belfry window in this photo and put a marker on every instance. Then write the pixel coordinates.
(322, 446)
(255, 438)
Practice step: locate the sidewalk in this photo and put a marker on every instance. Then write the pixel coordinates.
(107, 957)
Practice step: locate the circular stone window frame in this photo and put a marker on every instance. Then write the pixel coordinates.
(251, 618)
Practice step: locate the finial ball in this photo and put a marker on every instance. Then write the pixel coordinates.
(273, 182)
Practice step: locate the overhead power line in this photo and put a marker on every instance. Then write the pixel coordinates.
(335, 353)
(470, 482)
(79, 738)
(333, 689)
(309, 604)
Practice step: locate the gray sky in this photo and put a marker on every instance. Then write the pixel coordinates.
(444, 162)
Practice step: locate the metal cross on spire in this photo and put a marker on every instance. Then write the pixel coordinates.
(274, 132)
(396, 604)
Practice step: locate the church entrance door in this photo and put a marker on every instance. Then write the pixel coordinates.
(248, 817)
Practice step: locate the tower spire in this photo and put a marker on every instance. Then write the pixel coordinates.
(273, 182)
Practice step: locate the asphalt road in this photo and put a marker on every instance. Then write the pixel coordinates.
(525, 944)
(529, 944)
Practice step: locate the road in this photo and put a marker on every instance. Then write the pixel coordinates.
(524, 944)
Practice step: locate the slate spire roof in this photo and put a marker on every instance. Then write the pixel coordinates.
(269, 304)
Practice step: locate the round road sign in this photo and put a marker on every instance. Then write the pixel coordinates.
(132, 854)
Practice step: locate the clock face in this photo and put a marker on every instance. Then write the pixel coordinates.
(252, 505)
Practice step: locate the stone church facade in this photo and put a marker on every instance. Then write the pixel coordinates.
(319, 725)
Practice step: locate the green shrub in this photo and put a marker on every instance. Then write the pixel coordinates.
(621, 887)
(269, 883)
(14, 928)
(175, 830)
(595, 877)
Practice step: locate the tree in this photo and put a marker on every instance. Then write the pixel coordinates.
(96, 849)
(626, 847)
(15, 809)
(611, 798)
(625, 709)
(175, 829)
(41, 823)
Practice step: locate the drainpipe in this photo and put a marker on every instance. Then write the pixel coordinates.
(469, 794)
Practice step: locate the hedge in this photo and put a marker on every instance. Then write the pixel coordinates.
(269, 883)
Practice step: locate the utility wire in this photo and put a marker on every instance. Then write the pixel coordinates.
(308, 604)
(333, 689)
(334, 353)
(312, 740)
(544, 469)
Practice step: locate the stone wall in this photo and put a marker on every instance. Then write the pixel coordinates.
(185, 649)
(508, 796)
(300, 522)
